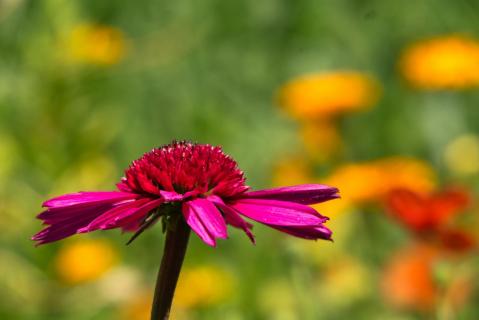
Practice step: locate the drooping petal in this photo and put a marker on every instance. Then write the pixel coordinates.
(193, 220)
(66, 215)
(210, 217)
(232, 217)
(310, 233)
(116, 216)
(278, 213)
(61, 214)
(79, 198)
(303, 194)
(133, 221)
(64, 222)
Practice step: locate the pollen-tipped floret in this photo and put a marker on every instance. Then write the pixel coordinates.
(186, 167)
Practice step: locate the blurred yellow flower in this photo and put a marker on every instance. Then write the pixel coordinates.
(371, 181)
(203, 286)
(443, 62)
(328, 94)
(462, 155)
(321, 139)
(85, 260)
(96, 44)
(291, 171)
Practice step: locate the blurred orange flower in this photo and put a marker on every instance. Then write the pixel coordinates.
(372, 181)
(408, 280)
(85, 260)
(412, 280)
(96, 44)
(328, 94)
(444, 62)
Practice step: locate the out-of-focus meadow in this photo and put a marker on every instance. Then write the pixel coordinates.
(378, 98)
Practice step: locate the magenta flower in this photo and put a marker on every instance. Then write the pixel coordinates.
(189, 187)
(208, 186)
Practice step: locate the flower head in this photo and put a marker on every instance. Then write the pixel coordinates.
(328, 94)
(448, 62)
(194, 182)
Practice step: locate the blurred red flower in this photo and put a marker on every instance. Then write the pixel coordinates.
(423, 213)
(431, 216)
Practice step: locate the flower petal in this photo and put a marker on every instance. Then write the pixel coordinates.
(133, 221)
(310, 233)
(303, 194)
(193, 220)
(64, 222)
(74, 213)
(232, 217)
(79, 198)
(112, 218)
(210, 217)
(279, 213)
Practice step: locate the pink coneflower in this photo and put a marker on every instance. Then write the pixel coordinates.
(186, 182)
(204, 182)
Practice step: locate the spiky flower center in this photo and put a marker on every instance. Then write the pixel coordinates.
(186, 167)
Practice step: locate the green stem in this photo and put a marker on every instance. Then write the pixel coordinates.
(173, 254)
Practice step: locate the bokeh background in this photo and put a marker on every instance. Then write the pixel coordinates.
(378, 98)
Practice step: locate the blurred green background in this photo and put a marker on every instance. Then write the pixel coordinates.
(88, 86)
